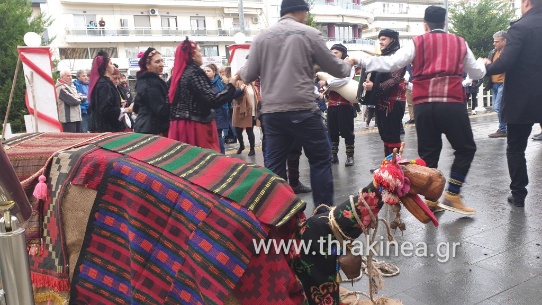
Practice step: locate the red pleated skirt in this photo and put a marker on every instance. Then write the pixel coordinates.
(195, 133)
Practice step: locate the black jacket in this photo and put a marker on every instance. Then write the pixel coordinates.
(151, 104)
(195, 99)
(105, 107)
(521, 60)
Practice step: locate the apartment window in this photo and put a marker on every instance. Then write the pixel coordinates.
(81, 21)
(169, 23)
(85, 53)
(168, 51)
(209, 51)
(236, 23)
(131, 52)
(142, 21)
(343, 33)
(197, 23)
(385, 7)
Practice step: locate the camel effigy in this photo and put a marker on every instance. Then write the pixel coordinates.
(127, 218)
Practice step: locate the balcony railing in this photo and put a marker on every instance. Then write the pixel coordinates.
(141, 31)
(354, 41)
(346, 6)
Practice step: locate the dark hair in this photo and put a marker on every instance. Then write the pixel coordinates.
(145, 59)
(212, 67)
(434, 26)
(103, 67)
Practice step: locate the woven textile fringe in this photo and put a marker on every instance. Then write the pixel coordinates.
(43, 280)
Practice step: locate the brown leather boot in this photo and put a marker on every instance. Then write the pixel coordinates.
(434, 206)
(455, 203)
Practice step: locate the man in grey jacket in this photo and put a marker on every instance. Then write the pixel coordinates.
(283, 56)
(68, 101)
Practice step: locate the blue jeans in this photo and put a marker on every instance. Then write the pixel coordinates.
(497, 104)
(306, 127)
(84, 122)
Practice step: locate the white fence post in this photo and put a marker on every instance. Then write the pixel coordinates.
(481, 108)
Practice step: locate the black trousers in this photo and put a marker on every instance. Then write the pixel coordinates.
(282, 130)
(389, 124)
(452, 120)
(474, 97)
(72, 127)
(340, 122)
(518, 135)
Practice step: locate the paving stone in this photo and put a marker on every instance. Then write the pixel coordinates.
(464, 286)
(521, 263)
(496, 262)
(526, 293)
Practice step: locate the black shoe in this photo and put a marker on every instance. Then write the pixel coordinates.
(518, 203)
(349, 161)
(301, 188)
(409, 122)
(251, 152)
(372, 170)
(240, 150)
(334, 159)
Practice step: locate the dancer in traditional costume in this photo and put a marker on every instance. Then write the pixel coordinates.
(193, 100)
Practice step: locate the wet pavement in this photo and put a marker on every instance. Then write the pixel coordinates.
(497, 250)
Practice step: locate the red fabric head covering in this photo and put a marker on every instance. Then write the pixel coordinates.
(183, 56)
(94, 74)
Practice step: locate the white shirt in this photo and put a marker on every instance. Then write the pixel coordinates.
(404, 56)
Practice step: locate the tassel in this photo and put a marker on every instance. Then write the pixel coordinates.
(40, 192)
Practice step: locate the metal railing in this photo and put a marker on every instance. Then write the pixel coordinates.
(144, 31)
(348, 6)
(353, 41)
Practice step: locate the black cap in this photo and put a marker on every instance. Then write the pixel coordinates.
(290, 6)
(342, 48)
(389, 33)
(435, 14)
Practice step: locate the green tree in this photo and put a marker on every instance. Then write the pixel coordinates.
(477, 22)
(16, 20)
(310, 17)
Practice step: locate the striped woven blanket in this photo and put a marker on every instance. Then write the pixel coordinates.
(171, 224)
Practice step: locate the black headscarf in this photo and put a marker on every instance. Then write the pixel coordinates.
(394, 45)
(341, 48)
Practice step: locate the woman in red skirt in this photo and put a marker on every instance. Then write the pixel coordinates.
(193, 100)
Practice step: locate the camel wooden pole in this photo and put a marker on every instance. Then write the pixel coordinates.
(10, 98)
(34, 104)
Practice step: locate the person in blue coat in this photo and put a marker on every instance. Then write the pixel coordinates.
(81, 84)
(221, 113)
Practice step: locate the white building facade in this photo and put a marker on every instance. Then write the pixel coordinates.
(131, 26)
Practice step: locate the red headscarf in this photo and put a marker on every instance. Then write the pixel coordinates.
(183, 56)
(94, 74)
